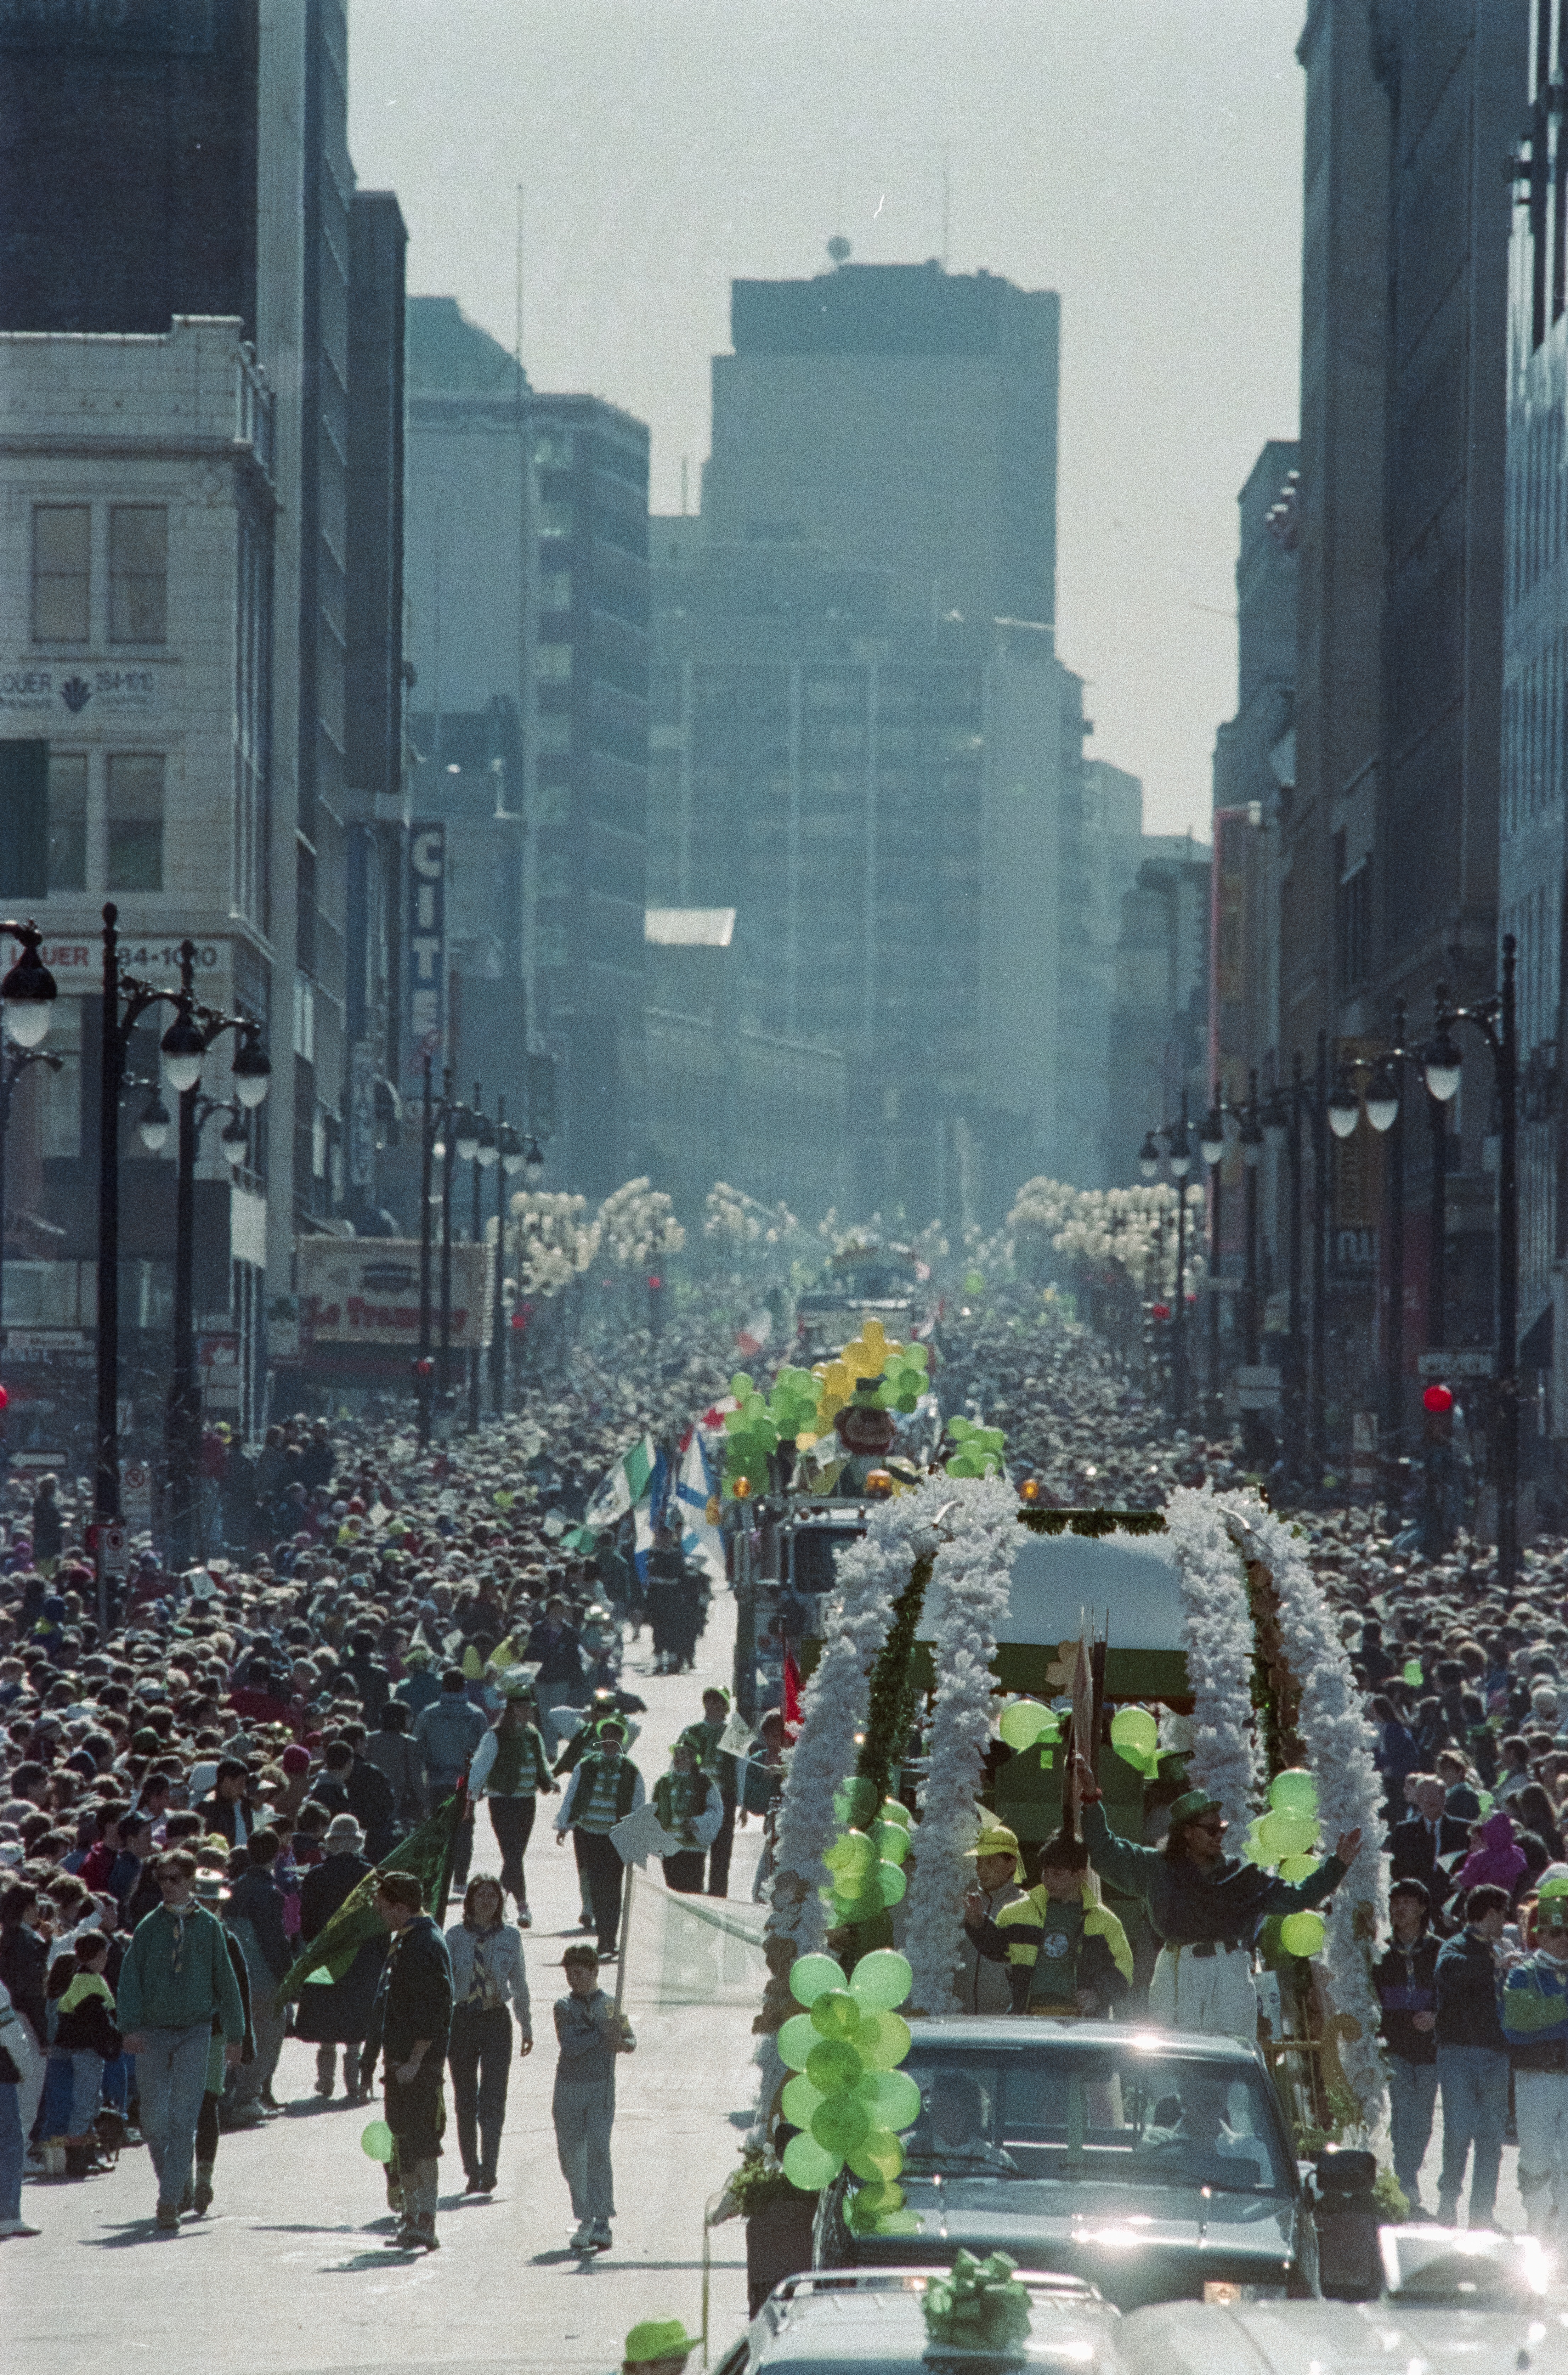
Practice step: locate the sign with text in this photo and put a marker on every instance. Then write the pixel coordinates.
(1474, 1362)
(427, 946)
(78, 965)
(366, 1290)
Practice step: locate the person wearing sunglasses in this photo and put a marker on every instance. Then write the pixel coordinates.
(1203, 1905)
(1535, 2024)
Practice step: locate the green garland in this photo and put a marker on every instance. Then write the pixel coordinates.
(1094, 1523)
(889, 1706)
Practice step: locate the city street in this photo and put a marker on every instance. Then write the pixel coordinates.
(290, 2257)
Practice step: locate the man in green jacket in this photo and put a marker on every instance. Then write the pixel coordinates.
(176, 1986)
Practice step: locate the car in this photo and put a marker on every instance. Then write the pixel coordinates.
(1449, 2300)
(1152, 2162)
(833, 2324)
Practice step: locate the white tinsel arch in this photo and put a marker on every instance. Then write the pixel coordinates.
(1338, 1738)
(964, 1606)
(1226, 1756)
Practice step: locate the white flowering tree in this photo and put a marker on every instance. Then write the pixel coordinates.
(637, 1226)
(550, 1241)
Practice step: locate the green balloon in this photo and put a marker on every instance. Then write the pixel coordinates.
(854, 1799)
(839, 2124)
(878, 2156)
(1134, 1735)
(901, 2222)
(892, 1842)
(808, 2166)
(859, 1855)
(1302, 1933)
(1025, 1723)
(811, 1975)
(891, 2097)
(880, 1981)
(834, 2066)
(800, 2102)
(1287, 1835)
(894, 1811)
(1294, 1791)
(1299, 1867)
(891, 1882)
(835, 2013)
(378, 2140)
(882, 2039)
(1412, 1674)
(876, 2200)
(797, 2040)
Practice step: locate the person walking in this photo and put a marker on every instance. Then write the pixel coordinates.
(48, 1526)
(393, 1752)
(1202, 1906)
(1534, 2022)
(254, 1915)
(510, 1766)
(690, 1810)
(20, 2072)
(175, 1980)
(604, 1789)
(721, 1770)
(86, 2039)
(1472, 2058)
(411, 2026)
(1405, 1978)
(488, 1976)
(590, 2033)
(328, 2017)
(446, 1734)
(557, 1651)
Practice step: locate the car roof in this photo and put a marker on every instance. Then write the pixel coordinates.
(964, 2034)
(873, 2317)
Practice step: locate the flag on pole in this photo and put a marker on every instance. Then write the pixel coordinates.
(427, 1852)
(650, 1513)
(696, 1493)
(624, 1486)
(753, 1333)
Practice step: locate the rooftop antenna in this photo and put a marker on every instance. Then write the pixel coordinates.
(517, 347)
(838, 248)
(947, 203)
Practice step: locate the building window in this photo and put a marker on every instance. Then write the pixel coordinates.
(555, 519)
(68, 819)
(552, 804)
(555, 590)
(555, 663)
(553, 452)
(555, 731)
(138, 572)
(1353, 926)
(62, 541)
(135, 839)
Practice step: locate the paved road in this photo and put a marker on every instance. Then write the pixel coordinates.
(288, 2272)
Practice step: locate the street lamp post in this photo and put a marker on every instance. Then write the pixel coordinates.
(26, 996)
(485, 1155)
(194, 1031)
(1211, 1146)
(1496, 1019)
(1178, 1155)
(509, 1148)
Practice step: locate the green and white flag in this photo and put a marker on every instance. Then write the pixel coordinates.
(624, 1485)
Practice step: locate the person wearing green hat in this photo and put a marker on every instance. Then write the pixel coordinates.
(660, 2346)
(1202, 1906)
(1066, 1955)
(690, 1810)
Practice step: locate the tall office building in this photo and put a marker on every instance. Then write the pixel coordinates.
(528, 596)
(901, 418)
(221, 186)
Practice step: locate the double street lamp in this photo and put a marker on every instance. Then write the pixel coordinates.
(26, 1009)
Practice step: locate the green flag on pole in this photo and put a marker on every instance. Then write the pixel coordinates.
(427, 1852)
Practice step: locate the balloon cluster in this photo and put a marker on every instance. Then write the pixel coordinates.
(979, 1451)
(1285, 1837)
(1135, 1736)
(867, 1866)
(1028, 1724)
(849, 2098)
(899, 1369)
(756, 1426)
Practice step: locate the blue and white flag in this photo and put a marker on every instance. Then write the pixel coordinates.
(696, 1493)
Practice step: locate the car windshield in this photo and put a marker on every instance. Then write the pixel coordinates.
(1148, 2119)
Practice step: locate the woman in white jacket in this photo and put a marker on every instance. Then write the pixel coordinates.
(489, 1983)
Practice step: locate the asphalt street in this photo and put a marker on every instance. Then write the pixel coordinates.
(288, 2271)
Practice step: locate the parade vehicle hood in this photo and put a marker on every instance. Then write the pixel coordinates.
(861, 2318)
(1456, 2304)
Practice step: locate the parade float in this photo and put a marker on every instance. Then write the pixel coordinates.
(1185, 1647)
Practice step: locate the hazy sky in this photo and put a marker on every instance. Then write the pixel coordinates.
(1143, 157)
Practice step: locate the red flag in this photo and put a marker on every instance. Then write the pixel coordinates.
(791, 1694)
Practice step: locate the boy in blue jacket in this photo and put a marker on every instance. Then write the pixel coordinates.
(1535, 2021)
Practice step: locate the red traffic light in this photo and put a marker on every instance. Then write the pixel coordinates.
(656, 1284)
(1437, 1398)
(1159, 1311)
